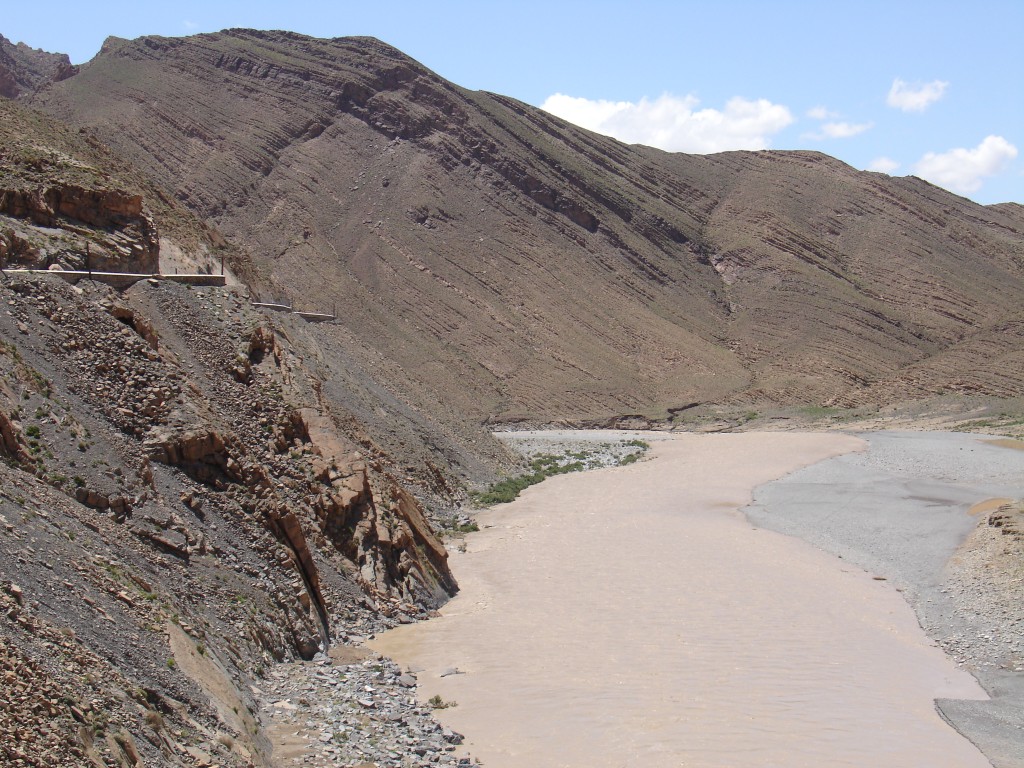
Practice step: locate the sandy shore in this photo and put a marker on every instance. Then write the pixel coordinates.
(634, 617)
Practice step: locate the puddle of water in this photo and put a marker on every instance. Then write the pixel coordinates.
(984, 507)
(626, 618)
(1007, 442)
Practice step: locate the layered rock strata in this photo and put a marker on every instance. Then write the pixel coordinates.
(181, 519)
(526, 269)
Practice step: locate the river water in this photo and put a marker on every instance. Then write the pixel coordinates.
(633, 617)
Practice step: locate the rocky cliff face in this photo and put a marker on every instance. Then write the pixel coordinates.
(66, 199)
(128, 243)
(515, 266)
(171, 483)
(62, 204)
(24, 70)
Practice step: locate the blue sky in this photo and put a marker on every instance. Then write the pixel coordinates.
(934, 89)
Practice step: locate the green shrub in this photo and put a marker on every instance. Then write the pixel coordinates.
(436, 702)
(507, 490)
(547, 465)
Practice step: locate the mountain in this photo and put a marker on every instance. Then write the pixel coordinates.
(514, 266)
(185, 499)
(24, 69)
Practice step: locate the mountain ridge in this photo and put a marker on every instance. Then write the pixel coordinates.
(24, 69)
(439, 212)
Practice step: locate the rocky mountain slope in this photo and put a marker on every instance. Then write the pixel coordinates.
(66, 199)
(186, 496)
(175, 490)
(24, 69)
(515, 266)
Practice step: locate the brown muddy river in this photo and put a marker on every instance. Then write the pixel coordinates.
(633, 617)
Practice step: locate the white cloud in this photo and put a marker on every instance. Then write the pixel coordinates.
(883, 165)
(962, 170)
(822, 113)
(844, 130)
(674, 124)
(837, 131)
(189, 25)
(915, 97)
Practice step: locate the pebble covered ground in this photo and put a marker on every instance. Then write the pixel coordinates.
(985, 581)
(353, 708)
(593, 448)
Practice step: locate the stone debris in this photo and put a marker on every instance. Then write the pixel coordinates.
(354, 714)
(170, 513)
(983, 582)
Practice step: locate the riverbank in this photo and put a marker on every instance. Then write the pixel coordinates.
(632, 616)
(352, 707)
(914, 509)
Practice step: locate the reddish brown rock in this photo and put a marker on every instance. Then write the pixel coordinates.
(112, 211)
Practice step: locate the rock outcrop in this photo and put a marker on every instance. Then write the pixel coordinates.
(24, 70)
(169, 520)
(1009, 519)
(67, 200)
(126, 237)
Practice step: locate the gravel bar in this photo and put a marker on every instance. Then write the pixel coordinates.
(902, 510)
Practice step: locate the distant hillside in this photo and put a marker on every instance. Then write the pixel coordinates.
(515, 265)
